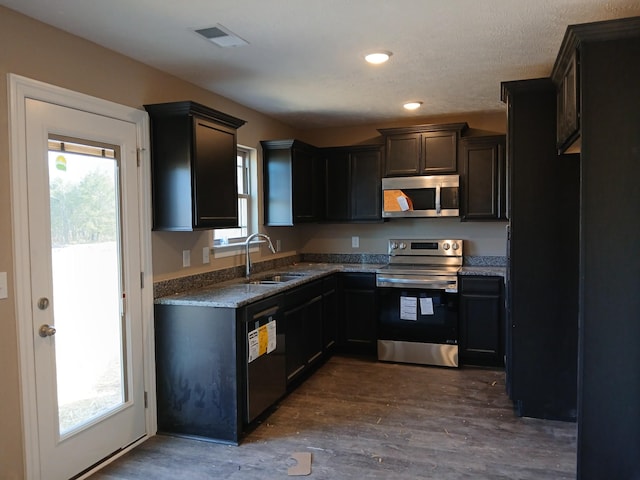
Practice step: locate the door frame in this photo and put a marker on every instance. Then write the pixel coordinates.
(21, 88)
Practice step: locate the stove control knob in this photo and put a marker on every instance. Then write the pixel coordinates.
(445, 246)
(394, 245)
(455, 246)
(403, 245)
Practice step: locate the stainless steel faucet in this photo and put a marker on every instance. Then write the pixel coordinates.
(246, 244)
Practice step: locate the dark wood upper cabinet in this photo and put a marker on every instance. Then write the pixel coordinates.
(352, 188)
(422, 149)
(568, 105)
(193, 162)
(482, 177)
(337, 185)
(293, 177)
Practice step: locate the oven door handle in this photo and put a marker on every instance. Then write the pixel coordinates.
(447, 286)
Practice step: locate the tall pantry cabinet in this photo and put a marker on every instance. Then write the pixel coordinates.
(605, 123)
(542, 274)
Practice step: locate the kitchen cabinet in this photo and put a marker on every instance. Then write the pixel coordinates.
(293, 181)
(608, 309)
(483, 177)
(303, 320)
(565, 75)
(352, 187)
(542, 290)
(422, 149)
(357, 332)
(481, 320)
(193, 163)
(329, 314)
(199, 375)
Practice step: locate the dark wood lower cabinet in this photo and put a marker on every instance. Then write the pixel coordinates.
(358, 313)
(199, 372)
(303, 318)
(206, 388)
(330, 313)
(481, 319)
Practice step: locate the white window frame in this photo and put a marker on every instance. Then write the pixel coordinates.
(235, 245)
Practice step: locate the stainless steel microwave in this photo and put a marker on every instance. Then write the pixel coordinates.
(421, 196)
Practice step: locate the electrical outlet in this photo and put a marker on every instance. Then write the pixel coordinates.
(355, 242)
(205, 255)
(278, 245)
(186, 258)
(4, 291)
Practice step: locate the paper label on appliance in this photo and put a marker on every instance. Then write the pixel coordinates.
(404, 205)
(426, 306)
(271, 331)
(261, 340)
(408, 308)
(254, 345)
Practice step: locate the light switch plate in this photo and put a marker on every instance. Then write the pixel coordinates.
(205, 255)
(4, 290)
(186, 258)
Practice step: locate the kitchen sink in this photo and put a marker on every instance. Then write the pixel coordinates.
(275, 278)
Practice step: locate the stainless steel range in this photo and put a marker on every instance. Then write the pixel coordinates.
(418, 299)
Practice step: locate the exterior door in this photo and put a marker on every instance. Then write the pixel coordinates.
(84, 245)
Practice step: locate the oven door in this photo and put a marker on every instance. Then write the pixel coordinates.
(418, 326)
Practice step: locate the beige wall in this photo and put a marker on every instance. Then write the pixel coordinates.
(40, 52)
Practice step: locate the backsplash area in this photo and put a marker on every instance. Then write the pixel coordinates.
(192, 282)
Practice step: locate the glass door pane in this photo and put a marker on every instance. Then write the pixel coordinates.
(87, 283)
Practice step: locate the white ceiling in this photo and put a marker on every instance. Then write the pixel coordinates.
(304, 62)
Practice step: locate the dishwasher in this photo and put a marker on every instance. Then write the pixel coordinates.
(264, 356)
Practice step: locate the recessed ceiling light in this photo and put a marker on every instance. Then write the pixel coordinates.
(378, 57)
(412, 105)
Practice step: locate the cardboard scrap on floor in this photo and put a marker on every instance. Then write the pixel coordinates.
(303, 467)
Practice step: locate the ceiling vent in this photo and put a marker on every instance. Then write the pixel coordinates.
(222, 36)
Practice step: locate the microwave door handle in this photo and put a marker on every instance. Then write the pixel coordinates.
(438, 206)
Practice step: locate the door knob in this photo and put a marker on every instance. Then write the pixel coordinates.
(46, 331)
(43, 303)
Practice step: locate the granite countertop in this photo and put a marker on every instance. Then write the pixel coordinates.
(237, 292)
(484, 270)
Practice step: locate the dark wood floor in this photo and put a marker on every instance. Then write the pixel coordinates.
(362, 419)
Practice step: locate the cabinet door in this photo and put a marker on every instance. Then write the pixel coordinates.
(483, 178)
(568, 116)
(294, 341)
(303, 328)
(330, 313)
(337, 185)
(366, 189)
(402, 154)
(215, 202)
(358, 332)
(439, 152)
(305, 190)
(313, 330)
(481, 314)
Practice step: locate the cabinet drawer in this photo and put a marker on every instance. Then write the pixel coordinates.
(358, 280)
(480, 284)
